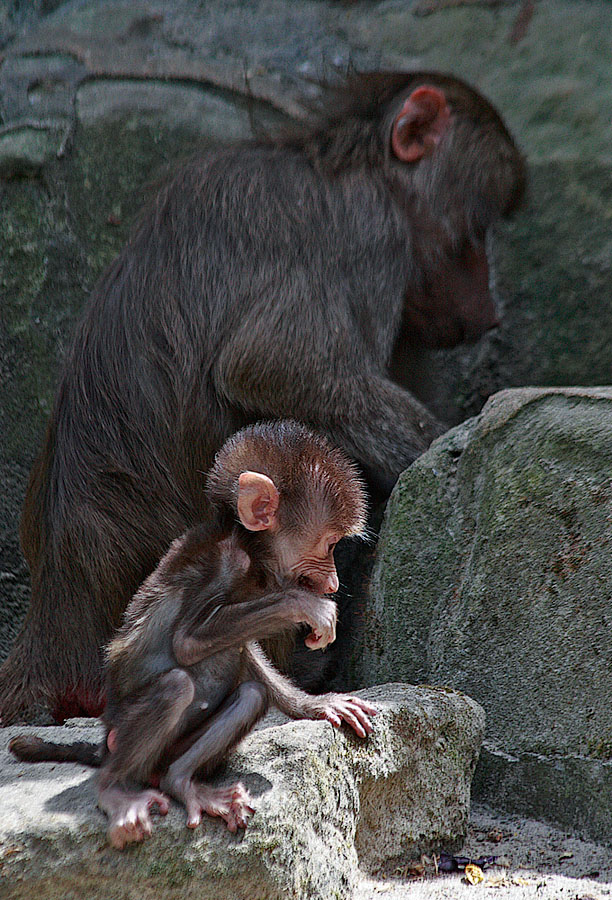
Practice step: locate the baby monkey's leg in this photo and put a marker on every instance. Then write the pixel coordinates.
(144, 728)
(209, 746)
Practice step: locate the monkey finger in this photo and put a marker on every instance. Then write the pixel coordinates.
(194, 814)
(332, 716)
(161, 801)
(240, 807)
(354, 716)
(232, 820)
(123, 832)
(244, 807)
(364, 705)
(116, 838)
(362, 718)
(314, 641)
(145, 828)
(354, 722)
(156, 798)
(366, 725)
(241, 796)
(241, 816)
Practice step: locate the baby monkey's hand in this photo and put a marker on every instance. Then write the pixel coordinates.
(322, 619)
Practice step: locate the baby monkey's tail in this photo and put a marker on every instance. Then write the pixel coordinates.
(30, 748)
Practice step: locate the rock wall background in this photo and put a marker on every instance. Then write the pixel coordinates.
(98, 98)
(494, 566)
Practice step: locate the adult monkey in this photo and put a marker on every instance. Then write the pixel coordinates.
(268, 279)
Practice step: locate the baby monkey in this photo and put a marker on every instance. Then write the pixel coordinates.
(186, 679)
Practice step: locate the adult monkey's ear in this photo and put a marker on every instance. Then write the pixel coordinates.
(257, 501)
(420, 124)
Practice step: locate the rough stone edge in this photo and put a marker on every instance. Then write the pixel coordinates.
(158, 856)
(503, 406)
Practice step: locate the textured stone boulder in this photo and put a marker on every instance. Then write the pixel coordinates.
(494, 575)
(326, 801)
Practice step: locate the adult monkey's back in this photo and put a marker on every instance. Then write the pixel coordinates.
(269, 279)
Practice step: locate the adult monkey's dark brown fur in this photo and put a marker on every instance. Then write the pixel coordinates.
(269, 279)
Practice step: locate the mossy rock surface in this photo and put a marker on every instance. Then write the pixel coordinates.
(325, 803)
(494, 565)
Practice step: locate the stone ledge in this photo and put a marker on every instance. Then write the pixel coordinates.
(326, 803)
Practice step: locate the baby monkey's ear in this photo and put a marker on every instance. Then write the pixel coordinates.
(257, 501)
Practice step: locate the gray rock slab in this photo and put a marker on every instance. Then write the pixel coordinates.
(326, 804)
(494, 575)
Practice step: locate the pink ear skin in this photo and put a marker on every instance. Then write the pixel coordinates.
(257, 501)
(420, 124)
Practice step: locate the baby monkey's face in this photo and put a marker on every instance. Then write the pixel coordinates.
(309, 559)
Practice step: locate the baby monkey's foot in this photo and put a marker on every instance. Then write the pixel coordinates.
(130, 815)
(232, 803)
